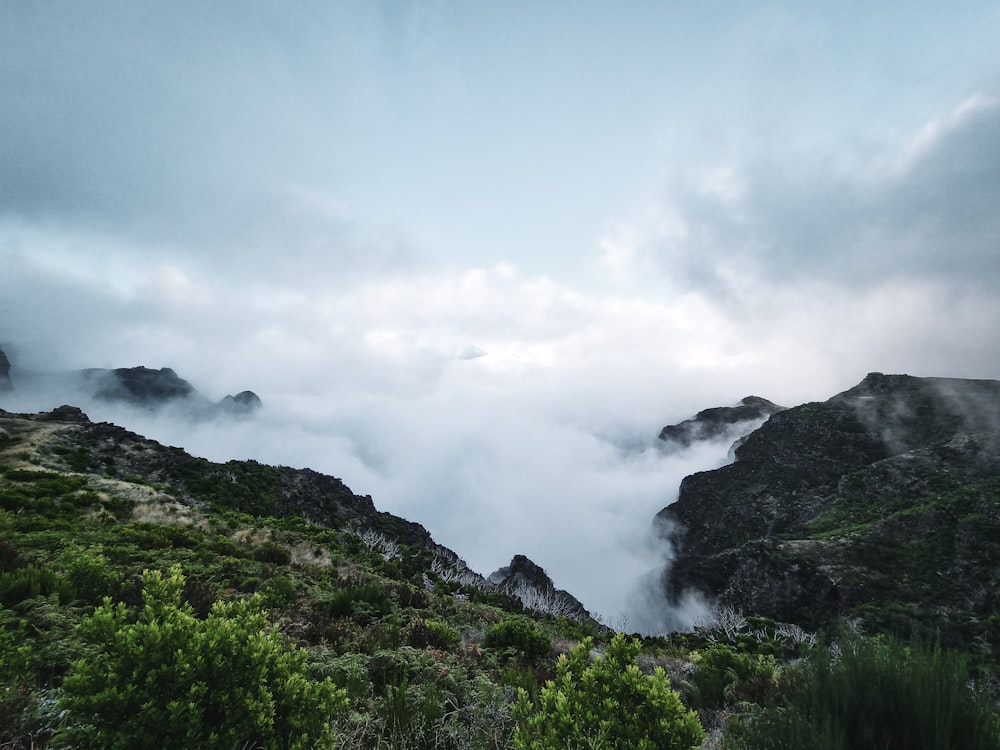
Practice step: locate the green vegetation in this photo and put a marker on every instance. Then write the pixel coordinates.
(164, 678)
(606, 703)
(875, 694)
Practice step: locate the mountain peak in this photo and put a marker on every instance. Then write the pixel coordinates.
(720, 421)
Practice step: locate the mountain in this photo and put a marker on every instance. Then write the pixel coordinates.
(720, 421)
(882, 503)
(5, 384)
(136, 387)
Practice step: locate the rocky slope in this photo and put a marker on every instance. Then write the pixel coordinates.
(882, 503)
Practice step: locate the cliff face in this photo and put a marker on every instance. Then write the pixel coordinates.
(5, 384)
(883, 503)
(720, 421)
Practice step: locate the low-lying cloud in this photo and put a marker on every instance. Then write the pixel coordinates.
(544, 443)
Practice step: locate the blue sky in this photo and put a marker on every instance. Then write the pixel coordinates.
(424, 231)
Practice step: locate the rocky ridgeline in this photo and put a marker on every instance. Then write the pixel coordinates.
(881, 503)
(137, 387)
(720, 421)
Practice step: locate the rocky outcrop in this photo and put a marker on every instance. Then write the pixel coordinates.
(137, 387)
(711, 424)
(243, 403)
(882, 502)
(5, 382)
(528, 582)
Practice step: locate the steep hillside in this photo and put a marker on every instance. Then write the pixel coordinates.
(881, 503)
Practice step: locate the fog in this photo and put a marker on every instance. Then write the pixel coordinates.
(473, 258)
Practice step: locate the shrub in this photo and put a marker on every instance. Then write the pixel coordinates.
(722, 670)
(89, 574)
(269, 552)
(874, 694)
(434, 633)
(519, 635)
(280, 592)
(168, 679)
(31, 581)
(608, 703)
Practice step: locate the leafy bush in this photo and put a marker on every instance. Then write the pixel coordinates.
(269, 552)
(519, 635)
(721, 670)
(607, 703)
(433, 633)
(366, 601)
(31, 581)
(89, 574)
(168, 679)
(874, 694)
(280, 592)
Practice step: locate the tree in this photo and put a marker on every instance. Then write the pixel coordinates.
(168, 679)
(607, 703)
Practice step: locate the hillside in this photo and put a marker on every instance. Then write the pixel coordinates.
(882, 503)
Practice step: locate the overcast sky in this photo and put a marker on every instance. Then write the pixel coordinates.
(473, 255)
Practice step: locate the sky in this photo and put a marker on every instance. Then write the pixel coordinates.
(473, 256)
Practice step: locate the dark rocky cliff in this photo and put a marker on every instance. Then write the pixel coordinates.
(881, 503)
(719, 421)
(5, 384)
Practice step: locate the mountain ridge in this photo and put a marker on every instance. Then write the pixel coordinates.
(882, 503)
(138, 387)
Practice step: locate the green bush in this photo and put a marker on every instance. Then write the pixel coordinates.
(607, 703)
(721, 671)
(89, 574)
(366, 602)
(280, 592)
(433, 633)
(875, 694)
(269, 552)
(168, 679)
(31, 581)
(519, 635)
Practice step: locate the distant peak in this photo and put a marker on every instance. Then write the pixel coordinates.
(716, 422)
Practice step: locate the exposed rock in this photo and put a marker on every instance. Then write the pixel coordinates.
(717, 422)
(528, 582)
(140, 386)
(883, 502)
(242, 404)
(5, 382)
(64, 413)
